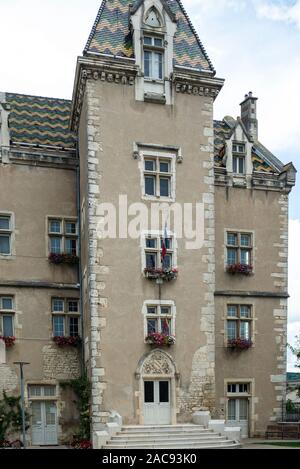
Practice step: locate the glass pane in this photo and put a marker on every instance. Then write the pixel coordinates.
(4, 244)
(150, 165)
(232, 311)
(245, 311)
(151, 243)
(164, 391)
(149, 391)
(49, 391)
(232, 409)
(36, 412)
(149, 185)
(167, 261)
(232, 239)
(243, 409)
(57, 304)
(231, 330)
(241, 148)
(8, 330)
(164, 187)
(35, 391)
(167, 241)
(151, 310)
(50, 409)
(73, 306)
(165, 326)
(74, 327)
(241, 165)
(245, 240)
(152, 326)
(150, 260)
(231, 388)
(158, 42)
(147, 64)
(55, 245)
(148, 40)
(55, 226)
(165, 310)
(231, 256)
(245, 256)
(245, 330)
(244, 387)
(235, 164)
(164, 167)
(58, 326)
(71, 246)
(157, 66)
(4, 223)
(71, 227)
(6, 303)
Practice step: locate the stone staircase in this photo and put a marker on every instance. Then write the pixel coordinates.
(169, 436)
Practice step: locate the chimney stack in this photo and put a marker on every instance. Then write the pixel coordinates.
(248, 115)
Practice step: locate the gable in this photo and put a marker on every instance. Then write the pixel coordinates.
(111, 35)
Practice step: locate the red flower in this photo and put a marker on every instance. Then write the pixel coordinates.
(63, 258)
(9, 341)
(157, 338)
(240, 344)
(62, 341)
(245, 269)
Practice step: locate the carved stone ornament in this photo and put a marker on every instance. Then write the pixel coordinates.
(157, 364)
(196, 90)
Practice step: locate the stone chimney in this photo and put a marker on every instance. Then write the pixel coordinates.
(248, 115)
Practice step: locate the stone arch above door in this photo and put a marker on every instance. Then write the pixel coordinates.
(156, 363)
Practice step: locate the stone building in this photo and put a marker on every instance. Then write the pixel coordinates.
(142, 117)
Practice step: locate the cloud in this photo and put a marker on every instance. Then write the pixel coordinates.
(279, 11)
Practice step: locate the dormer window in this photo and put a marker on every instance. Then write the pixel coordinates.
(153, 57)
(239, 158)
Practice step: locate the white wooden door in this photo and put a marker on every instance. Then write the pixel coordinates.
(237, 414)
(44, 423)
(157, 406)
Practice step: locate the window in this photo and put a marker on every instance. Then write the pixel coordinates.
(239, 248)
(157, 176)
(238, 158)
(65, 317)
(6, 316)
(159, 319)
(5, 234)
(36, 390)
(62, 236)
(153, 57)
(153, 249)
(239, 321)
(241, 388)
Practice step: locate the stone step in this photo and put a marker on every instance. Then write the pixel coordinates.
(192, 444)
(163, 436)
(163, 428)
(163, 441)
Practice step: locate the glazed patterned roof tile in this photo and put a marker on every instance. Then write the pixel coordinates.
(35, 120)
(111, 35)
(263, 160)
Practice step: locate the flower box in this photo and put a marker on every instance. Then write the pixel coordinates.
(239, 344)
(81, 444)
(157, 338)
(245, 269)
(63, 341)
(63, 258)
(164, 274)
(9, 341)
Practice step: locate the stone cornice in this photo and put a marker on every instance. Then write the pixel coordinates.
(43, 158)
(252, 294)
(196, 83)
(38, 284)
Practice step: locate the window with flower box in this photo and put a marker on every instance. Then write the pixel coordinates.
(153, 250)
(239, 247)
(159, 326)
(65, 317)
(158, 176)
(239, 322)
(7, 316)
(63, 236)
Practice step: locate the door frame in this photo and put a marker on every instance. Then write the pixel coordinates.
(249, 396)
(150, 370)
(43, 413)
(156, 394)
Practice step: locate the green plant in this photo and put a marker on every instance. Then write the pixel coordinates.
(296, 352)
(11, 416)
(82, 389)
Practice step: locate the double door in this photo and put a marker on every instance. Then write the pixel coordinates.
(157, 406)
(44, 423)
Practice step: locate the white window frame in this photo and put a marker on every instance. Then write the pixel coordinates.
(66, 315)
(238, 319)
(159, 156)
(7, 312)
(42, 396)
(239, 246)
(153, 49)
(158, 304)
(8, 232)
(63, 235)
(158, 235)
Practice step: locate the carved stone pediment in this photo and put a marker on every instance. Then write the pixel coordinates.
(157, 364)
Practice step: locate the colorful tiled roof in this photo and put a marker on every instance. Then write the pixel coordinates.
(263, 160)
(111, 34)
(35, 120)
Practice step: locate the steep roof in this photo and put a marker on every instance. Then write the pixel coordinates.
(263, 160)
(111, 34)
(35, 120)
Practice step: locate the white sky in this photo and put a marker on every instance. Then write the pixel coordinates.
(254, 44)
